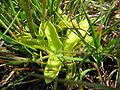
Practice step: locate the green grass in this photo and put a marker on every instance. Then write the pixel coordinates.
(61, 37)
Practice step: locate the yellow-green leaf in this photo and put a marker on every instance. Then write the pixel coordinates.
(52, 68)
(73, 39)
(52, 37)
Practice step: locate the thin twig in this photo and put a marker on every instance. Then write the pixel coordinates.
(3, 82)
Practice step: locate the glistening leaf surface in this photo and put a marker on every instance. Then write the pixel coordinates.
(52, 68)
(52, 37)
